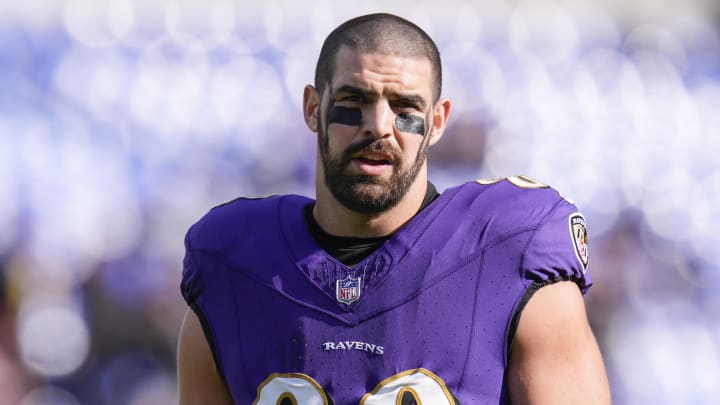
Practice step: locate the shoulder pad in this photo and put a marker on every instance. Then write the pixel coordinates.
(228, 222)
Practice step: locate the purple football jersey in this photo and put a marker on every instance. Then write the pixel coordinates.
(425, 318)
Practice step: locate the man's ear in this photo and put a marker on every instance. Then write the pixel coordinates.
(441, 114)
(311, 107)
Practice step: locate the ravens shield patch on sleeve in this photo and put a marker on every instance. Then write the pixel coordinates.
(578, 234)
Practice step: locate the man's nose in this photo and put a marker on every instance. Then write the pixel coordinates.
(378, 119)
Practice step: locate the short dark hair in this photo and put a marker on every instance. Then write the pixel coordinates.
(384, 33)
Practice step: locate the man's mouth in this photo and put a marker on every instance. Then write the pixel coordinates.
(372, 163)
(373, 158)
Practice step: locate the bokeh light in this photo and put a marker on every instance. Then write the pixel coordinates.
(53, 341)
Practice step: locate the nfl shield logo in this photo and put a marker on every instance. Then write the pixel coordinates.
(347, 290)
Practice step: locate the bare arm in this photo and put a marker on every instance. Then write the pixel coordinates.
(555, 358)
(198, 378)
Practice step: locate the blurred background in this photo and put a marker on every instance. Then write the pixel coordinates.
(123, 121)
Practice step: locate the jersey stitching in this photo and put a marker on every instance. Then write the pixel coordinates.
(429, 284)
(292, 258)
(401, 259)
(472, 323)
(296, 301)
(219, 258)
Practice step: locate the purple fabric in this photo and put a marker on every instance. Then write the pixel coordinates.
(439, 295)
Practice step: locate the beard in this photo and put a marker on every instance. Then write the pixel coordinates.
(362, 193)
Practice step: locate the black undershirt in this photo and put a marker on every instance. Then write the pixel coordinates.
(351, 250)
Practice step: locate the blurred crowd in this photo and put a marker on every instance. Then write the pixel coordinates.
(122, 122)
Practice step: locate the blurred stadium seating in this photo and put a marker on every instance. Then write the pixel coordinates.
(123, 121)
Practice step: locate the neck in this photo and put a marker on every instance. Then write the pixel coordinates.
(336, 219)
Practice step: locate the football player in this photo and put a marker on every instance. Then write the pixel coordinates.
(382, 290)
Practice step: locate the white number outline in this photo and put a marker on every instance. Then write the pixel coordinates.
(419, 381)
(296, 380)
(368, 398)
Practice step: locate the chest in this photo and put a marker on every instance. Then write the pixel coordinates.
(435, 342)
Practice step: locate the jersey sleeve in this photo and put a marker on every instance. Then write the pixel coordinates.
(204, 242)
(191, 285)
(202, 273)
(558, 249)
(200, 288)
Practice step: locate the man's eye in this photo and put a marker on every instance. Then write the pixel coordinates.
(407, 105)
(352, 99)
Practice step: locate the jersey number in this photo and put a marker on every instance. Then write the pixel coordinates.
(418, 386)
(520, 181)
